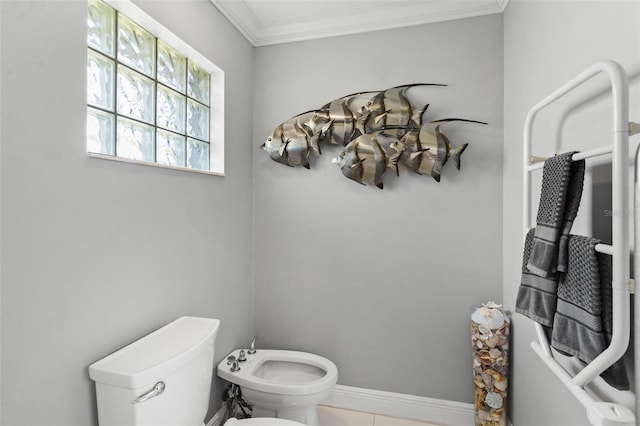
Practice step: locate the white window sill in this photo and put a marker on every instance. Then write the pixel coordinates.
(150, 164)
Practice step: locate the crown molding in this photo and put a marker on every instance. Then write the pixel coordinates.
(384, 16)
(241, 17)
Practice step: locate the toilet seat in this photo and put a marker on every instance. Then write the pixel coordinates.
(261, 421)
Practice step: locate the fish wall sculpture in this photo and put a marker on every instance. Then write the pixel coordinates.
(385, 130)
(372, 147)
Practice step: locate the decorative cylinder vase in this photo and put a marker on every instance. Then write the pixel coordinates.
(490, 338)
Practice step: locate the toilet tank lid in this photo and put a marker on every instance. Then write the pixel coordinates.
(156, 354)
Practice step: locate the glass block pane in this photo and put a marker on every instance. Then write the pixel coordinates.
(135, 140)
(197, 120)
(197, 154)
(100, 132)
(100, 77)
(101, 25)
(136, 46)
(172, 67)
(198, 83)
(135, 95)
(170, 149)
(171, 109)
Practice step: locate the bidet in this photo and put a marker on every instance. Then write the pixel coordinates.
(284, 384)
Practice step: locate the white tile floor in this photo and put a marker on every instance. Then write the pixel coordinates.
(330, 416)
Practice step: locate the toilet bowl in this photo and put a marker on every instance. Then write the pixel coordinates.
(261, 421)
(283, 384)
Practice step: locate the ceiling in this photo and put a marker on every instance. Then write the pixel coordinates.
(265, 22)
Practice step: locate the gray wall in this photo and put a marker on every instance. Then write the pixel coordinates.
(546, 44)
(381, 282)
(96, 253)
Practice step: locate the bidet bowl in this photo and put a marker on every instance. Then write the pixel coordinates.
(282, 372)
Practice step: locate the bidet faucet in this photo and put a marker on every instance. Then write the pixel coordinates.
(252, 348)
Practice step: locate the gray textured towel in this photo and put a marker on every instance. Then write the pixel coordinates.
(536, 295)
(582, 324)
(562, 181)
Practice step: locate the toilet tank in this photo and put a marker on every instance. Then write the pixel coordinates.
(178, 355)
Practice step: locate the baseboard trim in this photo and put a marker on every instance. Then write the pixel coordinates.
(401, 405)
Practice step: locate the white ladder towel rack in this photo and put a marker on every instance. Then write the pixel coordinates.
(599, 413)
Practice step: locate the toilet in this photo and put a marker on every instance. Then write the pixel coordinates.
(163, 379)
(279, 383)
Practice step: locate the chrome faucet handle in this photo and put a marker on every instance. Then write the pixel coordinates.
(231, 359)
(241, 356)
(252, 349)
(234, 366)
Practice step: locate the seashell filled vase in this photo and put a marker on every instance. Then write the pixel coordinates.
(490, 339)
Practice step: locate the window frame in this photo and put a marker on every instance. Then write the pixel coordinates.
(216, 90)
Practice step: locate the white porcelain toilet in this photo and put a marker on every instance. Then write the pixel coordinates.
(283, 384)
(163, 379)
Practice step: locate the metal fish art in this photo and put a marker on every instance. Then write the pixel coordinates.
(377, 130)
(291, 142)
(391, 107)
(337, 120)
(297, 145)
(334, 122)
(366, 158)
(426, 149)
(273, 144)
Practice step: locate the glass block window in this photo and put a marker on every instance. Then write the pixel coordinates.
(147, 100)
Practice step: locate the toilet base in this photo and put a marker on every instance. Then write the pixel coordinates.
(307, 415)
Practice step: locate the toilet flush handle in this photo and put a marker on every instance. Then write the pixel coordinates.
(158, 389)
